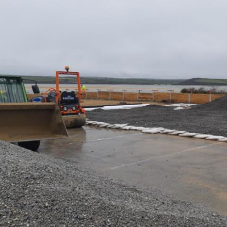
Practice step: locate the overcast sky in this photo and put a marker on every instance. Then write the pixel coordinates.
(120, 38)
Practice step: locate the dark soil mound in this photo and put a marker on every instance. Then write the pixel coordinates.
(218, 104)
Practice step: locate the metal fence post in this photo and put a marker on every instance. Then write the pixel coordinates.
(170, 95)
(189, 98)
(98, 93)
(138, 95)
(153, 94)
(110, 95)
(123, 95)
(210, 99)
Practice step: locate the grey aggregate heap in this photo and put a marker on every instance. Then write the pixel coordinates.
(38, 190)
(210, 118)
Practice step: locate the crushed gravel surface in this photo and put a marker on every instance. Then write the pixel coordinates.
(38, 190)
(210, 118)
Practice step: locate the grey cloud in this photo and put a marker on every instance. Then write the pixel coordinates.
(137, 38)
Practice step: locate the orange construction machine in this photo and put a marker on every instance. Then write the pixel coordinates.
(69, 101)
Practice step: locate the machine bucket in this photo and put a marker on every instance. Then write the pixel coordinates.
(30, 121)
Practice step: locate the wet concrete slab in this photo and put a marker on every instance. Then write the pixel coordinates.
(190, 169)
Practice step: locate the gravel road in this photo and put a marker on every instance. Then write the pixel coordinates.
(38, 190)
(210, 118)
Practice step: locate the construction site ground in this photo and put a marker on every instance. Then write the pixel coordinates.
(208, 118)
(112, 177)
(105, 177)
(190, 169)
(100, 177)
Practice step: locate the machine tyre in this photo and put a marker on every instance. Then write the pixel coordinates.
(30, 145)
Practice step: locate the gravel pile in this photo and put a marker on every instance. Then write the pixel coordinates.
(218, 104)
(209, 118)
(38, 190)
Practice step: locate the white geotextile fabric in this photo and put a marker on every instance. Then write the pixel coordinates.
(90, 122)
(127, 127)
(181, 104)
(167, 131)
(201, 136)
(152, 130)
(90, 108)
(103, 125)
(214, 137)
(139, 128)
(156, 130)
(116, 126)
(118, 107)
(100, 123)
(179, 108)
(188, 134)
(133, 128)
(109, 126)
(176, 132)
(223, 139)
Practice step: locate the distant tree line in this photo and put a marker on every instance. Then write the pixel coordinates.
(202, 90)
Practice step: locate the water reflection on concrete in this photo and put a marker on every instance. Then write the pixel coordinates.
(190, 169)
(65, 148)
